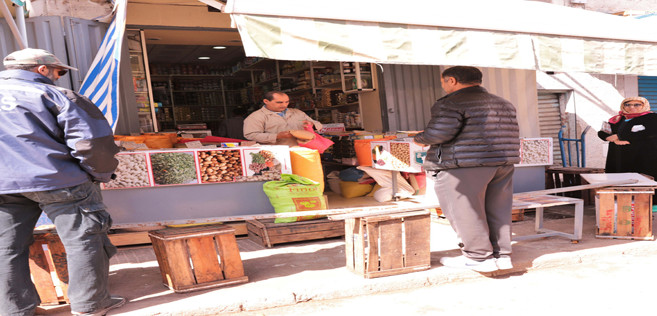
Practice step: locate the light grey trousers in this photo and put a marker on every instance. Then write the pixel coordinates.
(477, 202)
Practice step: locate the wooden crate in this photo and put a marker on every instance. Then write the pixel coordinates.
(391, 244)
(624, 213)
(517, 215)
(48, 268)
(212, 250)
(267, 233)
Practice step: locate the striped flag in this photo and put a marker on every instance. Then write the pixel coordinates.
(101, 84)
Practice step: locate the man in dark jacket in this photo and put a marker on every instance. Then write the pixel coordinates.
(474, 143)
(56, 146)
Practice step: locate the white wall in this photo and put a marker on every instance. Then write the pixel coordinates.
(591, 99)
(84, 9)
(607, 6)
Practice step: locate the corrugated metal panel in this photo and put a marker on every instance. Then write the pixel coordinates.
(549, 118)
(411, 90)
(78, 49)
(84, 38)
(648, 90)
(43, 32)
(7, 42)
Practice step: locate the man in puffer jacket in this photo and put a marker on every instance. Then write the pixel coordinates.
(474, 143)
(56, 147)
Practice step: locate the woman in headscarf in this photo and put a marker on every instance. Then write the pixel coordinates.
(632, 137)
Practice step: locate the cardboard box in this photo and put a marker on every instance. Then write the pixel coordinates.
(398, 154)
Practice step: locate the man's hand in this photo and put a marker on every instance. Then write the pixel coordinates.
(621, 142)
(419, 144)
(307, 123)
(612, 138)
(285, 134)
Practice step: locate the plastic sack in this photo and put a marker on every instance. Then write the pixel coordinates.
(307, 163)
(319, 142)
(294, 193)
(351, 174)
(350, 189)
(384, 179)
(333, 179)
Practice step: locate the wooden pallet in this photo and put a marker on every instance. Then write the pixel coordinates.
(198, 258)
(267, 233)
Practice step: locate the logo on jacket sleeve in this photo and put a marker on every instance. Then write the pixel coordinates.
(7, 102)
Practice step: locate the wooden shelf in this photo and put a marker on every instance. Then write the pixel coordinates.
(298, 91)
(218, 90)
(333, 85)
(267, 81)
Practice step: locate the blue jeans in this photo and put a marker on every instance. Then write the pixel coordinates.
(81, 222)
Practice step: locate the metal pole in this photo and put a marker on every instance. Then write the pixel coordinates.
(12, 25)
(20, 23)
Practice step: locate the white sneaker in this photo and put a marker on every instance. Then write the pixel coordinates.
(504, 263)
(462, 262)
(115, 302)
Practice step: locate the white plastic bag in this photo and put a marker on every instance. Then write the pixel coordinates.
(384, 179)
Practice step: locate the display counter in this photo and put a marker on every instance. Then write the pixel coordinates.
(158, 187)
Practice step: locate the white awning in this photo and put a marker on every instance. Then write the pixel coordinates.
(500, 34)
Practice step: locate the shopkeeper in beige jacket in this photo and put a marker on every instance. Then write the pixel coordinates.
(272, 123)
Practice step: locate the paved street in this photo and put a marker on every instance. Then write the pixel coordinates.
(612, 285)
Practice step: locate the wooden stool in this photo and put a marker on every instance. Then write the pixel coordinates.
(51, 288)
(390, 244)
(215, 258)
(560, 177)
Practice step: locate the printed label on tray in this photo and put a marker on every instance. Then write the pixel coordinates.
(261, 165)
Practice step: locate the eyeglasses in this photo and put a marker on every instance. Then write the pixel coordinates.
(60, 71)
(636, 105)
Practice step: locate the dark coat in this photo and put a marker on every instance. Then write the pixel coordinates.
(471, 128)
(641, 154)
(50, 137)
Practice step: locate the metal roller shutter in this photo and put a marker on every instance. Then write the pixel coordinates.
(648, 90)
(549, 118)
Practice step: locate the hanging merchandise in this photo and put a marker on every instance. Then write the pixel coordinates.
(319, 142)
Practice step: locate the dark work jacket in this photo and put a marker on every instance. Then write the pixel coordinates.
(641, 154)
(50, 137)
(471, 128)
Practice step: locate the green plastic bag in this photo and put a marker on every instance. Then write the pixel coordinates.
(294, 193)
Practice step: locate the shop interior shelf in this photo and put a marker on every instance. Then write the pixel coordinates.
(339, 106)
(200, 90)
(332, 85)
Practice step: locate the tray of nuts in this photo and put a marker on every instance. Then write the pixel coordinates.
(132, 172)
(220, 165)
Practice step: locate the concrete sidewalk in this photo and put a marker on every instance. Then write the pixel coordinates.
(298, 272)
